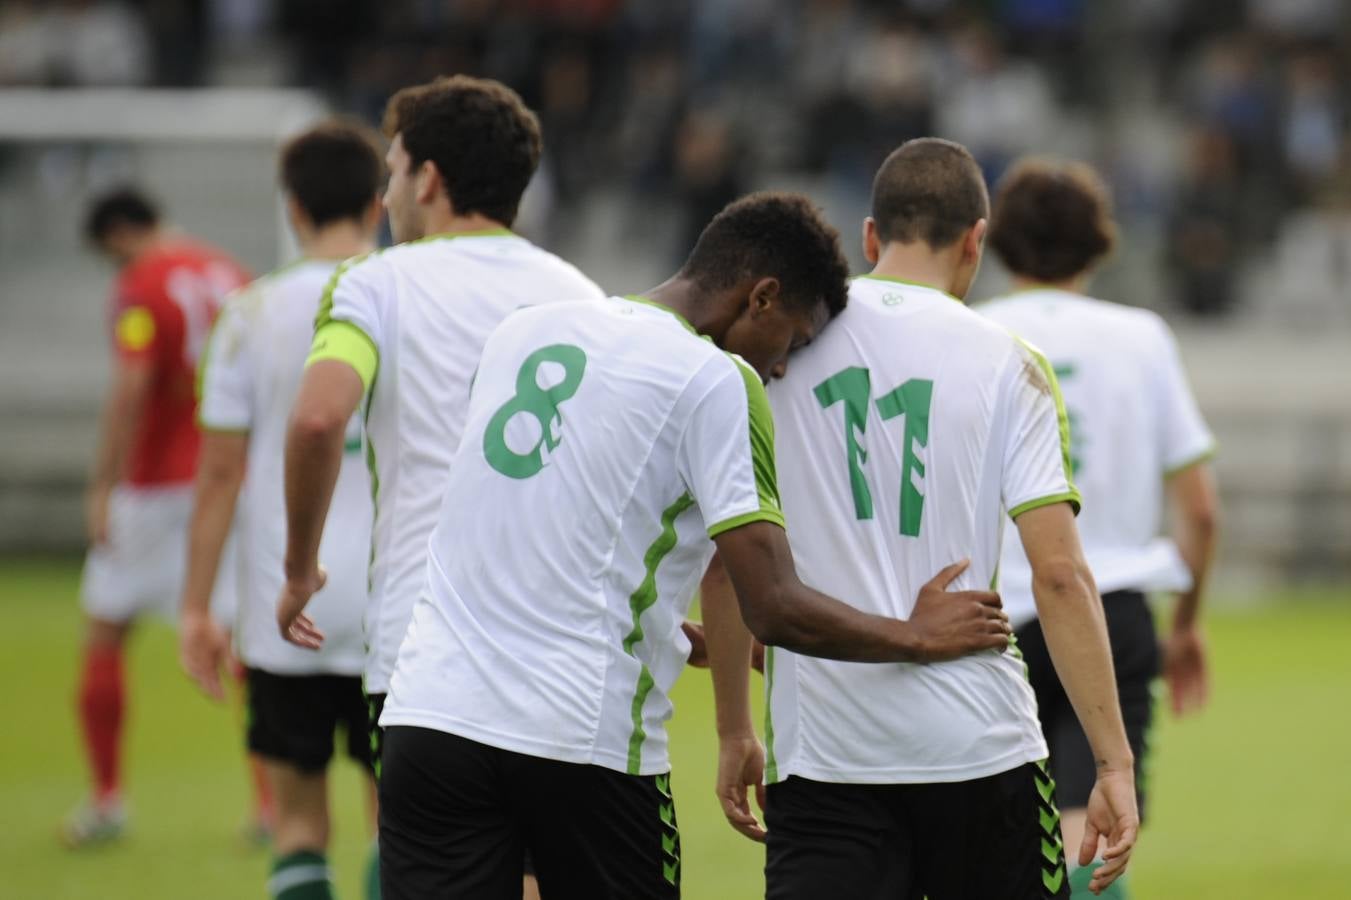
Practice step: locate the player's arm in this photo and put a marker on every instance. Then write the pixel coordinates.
(119, 422)
(781, 611)
(1195, 503)
(340, 370)
(203, 644)
(1075, 627)
(330, 393)
(741, 758)
(1190, 484)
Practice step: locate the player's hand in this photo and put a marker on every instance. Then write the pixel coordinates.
(203, 648)
(96, 502)
(296, 627)
(698, 645)
(1184, 667)
(1113, 818)
(949, 624)
(741, 766)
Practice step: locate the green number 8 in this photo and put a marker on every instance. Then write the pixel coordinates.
(533, 400)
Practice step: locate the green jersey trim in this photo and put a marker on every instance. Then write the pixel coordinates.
(344, 342)
(498, 231)
(638, 298)
(1205, 455)
(1070, 497)
(760, 515)
(1063, 419)
(771, 763)
(894, 280)
(761, 437)
(640, 601)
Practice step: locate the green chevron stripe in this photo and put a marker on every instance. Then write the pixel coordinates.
(1050, 851)
(670, 845)
(1047, 790)
(1049, 820)
(664, 785)
(671, 872)
(1053, 880)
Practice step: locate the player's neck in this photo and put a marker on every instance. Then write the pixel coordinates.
(445, 221)
(1074, 285)
(918, 263)
(686, 299)
(338, 240)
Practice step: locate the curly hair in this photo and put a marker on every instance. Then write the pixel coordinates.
(333, 170)
(778, 235)
(478, 133)
(1052, 220)
(930, 190)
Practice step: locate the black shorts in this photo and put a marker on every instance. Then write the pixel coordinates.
(293, 718)
(965, 840)
(456, 818)
(375, 704)
(1135, 657)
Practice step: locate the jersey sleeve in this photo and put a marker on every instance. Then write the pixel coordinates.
(726, 454)
(137, 327)
(1037, 444)
(1185, 439)
(348, 326)
(225, 375)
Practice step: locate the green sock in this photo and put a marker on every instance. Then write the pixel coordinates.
(1080, 878)
(373, 872)
(302, 875)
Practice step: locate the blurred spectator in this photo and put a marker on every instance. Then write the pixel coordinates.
(707, 175)
(1204, 237)
(85, 43)
(1314, 122)
(998, 107)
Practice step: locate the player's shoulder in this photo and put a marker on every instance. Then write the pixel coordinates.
(565, 279)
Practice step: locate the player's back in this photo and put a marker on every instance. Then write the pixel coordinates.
(1132, 419)
(904, 433)
(164, 304)
(570, 543)
(429, 306)
(250, 379)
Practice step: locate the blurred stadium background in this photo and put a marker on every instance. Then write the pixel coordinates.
(1224, 127)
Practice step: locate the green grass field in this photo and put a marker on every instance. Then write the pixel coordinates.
(1249, 800)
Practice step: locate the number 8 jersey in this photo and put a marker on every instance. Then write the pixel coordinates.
(605, 443)
(909, 431)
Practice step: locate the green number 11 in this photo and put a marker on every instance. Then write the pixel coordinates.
(853, 388)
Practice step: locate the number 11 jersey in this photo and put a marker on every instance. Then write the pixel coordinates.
(907, 432)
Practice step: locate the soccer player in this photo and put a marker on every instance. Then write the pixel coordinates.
(250, 375)
(908, 432)
(140, 492)
(401, 332)
(1137, 437)
(605, 444)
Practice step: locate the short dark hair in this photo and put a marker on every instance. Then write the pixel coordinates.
(480, 135)
(778, 235)
(121, 206)
(928, 190)
(1052, 220)
(333, 170)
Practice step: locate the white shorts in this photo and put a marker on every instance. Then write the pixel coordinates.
(141, 567)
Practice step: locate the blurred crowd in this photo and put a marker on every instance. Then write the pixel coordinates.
(1219, 122)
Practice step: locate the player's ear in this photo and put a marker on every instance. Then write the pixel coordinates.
(428, 182)
(376, 209)
(975, 239)
(764, 295)
(872, 242)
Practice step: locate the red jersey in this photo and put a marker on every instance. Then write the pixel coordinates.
(163, 305)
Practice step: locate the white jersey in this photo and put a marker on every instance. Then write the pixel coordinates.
(909, 432)
(250, 376)
(605, 444)
(1133, 421)
(427, 308)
